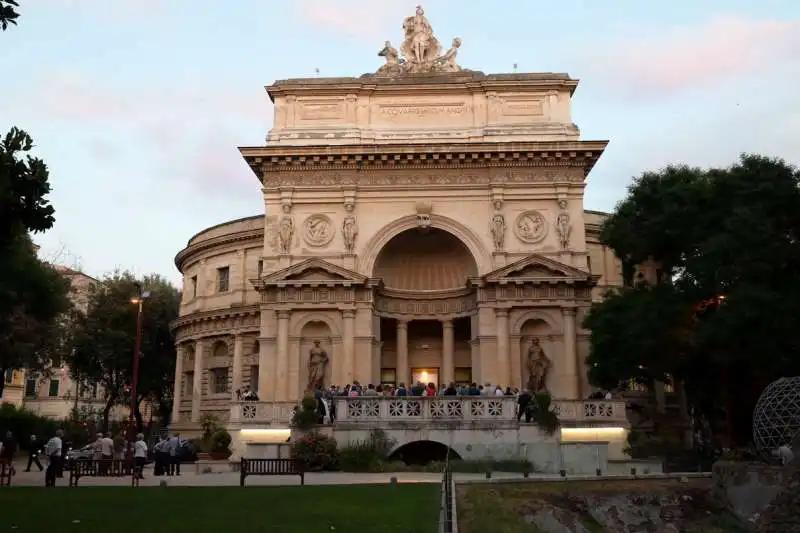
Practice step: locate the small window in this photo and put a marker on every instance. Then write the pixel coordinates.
(463, 375)
(254, 377)
(223, 279)
(188, 384)
(219, 380)
(260, 268)
(389, 377)
(54, 385)
(193, 286)
(30, 387)
(9, 375)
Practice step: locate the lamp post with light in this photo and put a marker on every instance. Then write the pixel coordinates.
(137, 351)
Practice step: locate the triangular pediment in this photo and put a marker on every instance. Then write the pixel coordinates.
(537, 267)
(312, 271)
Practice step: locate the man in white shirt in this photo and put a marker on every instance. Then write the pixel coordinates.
(140, 454)
(53, 450)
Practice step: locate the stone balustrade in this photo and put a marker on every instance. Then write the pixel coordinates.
(604, 412)
(262, 413)
(366, 409)
(406, 409)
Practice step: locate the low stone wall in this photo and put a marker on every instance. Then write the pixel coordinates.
(746, 488)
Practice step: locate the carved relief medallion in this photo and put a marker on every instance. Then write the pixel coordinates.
(530, 227)
(317, 230)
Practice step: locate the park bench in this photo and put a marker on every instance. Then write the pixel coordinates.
(79, 468)
(271, 467)
(5, 474)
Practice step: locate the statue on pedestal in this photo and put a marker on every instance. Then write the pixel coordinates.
(537, 364)
(349, 229)
(498, 228)
(286, 230)
(317, 366)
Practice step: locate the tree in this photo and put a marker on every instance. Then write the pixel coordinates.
(104, 339)
(7, 13)
(726, 238)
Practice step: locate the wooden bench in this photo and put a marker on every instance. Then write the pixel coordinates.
(271, 467)
(79, 468)
(5, 474)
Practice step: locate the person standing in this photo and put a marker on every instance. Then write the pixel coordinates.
(8, 447)
(174, 455)
(140, 455)
(53, 450)
(33, 454)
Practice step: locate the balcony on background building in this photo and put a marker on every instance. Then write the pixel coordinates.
(375, 409)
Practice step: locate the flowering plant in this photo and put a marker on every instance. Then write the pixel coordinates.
(316, 451)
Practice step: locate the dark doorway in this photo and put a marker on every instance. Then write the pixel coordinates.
(422, 452)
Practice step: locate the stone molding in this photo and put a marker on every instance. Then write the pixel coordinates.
(214, 243)
(418, 305)
(243, 319)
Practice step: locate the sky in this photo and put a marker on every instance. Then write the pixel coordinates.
(138, 106)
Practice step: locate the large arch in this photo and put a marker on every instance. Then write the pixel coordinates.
(470, 239)
(423, 452)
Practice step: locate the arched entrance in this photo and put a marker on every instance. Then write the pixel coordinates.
(425, 308)
(422, 452)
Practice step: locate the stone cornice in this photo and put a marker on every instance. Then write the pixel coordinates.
(553, 154)
(190, 251)
(215, 314)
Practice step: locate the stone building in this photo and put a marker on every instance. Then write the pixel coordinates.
(422, 223)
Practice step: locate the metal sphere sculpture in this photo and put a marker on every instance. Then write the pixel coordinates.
(776, 417)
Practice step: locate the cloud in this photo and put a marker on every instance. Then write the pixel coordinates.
(360, 19)
(689, 57)
(183, 135)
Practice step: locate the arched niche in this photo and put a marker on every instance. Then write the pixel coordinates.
(537, 328)
(315, 331)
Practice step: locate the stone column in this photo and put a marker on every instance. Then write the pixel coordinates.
(348, 346)
(197, 382)
(503, 361)
(266, 370)
(571, 377)
(178, 390)
(402, 353)
(238, 356)
(448, 364)
(282, 371)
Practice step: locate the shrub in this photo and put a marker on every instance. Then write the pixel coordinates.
(316, 451)
(368, 455)
(221, 441)
(23, 423)
(304, 417)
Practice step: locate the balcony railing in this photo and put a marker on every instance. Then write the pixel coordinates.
(366, 409)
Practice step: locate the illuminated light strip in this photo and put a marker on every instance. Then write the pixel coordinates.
(585, 433)
(266, 435)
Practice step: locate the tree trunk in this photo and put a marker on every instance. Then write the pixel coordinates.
(107, 410)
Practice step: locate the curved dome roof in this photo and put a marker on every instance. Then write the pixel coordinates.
(425, 261)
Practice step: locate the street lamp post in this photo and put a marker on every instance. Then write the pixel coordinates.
(137, 351)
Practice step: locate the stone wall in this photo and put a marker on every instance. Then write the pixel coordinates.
(746, 488)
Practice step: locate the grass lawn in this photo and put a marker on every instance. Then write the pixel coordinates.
(406, 508)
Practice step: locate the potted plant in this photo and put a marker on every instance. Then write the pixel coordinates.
(220, 446)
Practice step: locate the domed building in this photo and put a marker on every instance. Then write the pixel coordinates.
(424, 223)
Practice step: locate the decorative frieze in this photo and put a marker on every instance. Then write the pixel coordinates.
(331, 294)
(545, 291)
(393, 305)
(218, 322)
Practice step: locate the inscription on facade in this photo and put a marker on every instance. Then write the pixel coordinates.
(321, 111)
(424, 110)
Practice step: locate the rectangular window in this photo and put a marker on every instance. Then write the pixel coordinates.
(635, 386)
(9, 375)
(389, 377)
(193, 286)
(223, 279)
(254, 377)
(188, 384)
(219, 380)
(260, 268)
(30, 387)
(53, 392)
(463, 375)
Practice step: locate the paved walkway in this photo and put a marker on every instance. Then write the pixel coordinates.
(190, 478)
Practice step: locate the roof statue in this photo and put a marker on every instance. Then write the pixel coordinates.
(421, 51)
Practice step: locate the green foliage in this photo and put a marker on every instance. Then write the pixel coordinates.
(367, 455)
(33, 296)
(8, 15)
(221, 440)
(641, 445)
(304, 417)
(78, 430)
(104, 338)
(729, 232)
(316, 451)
